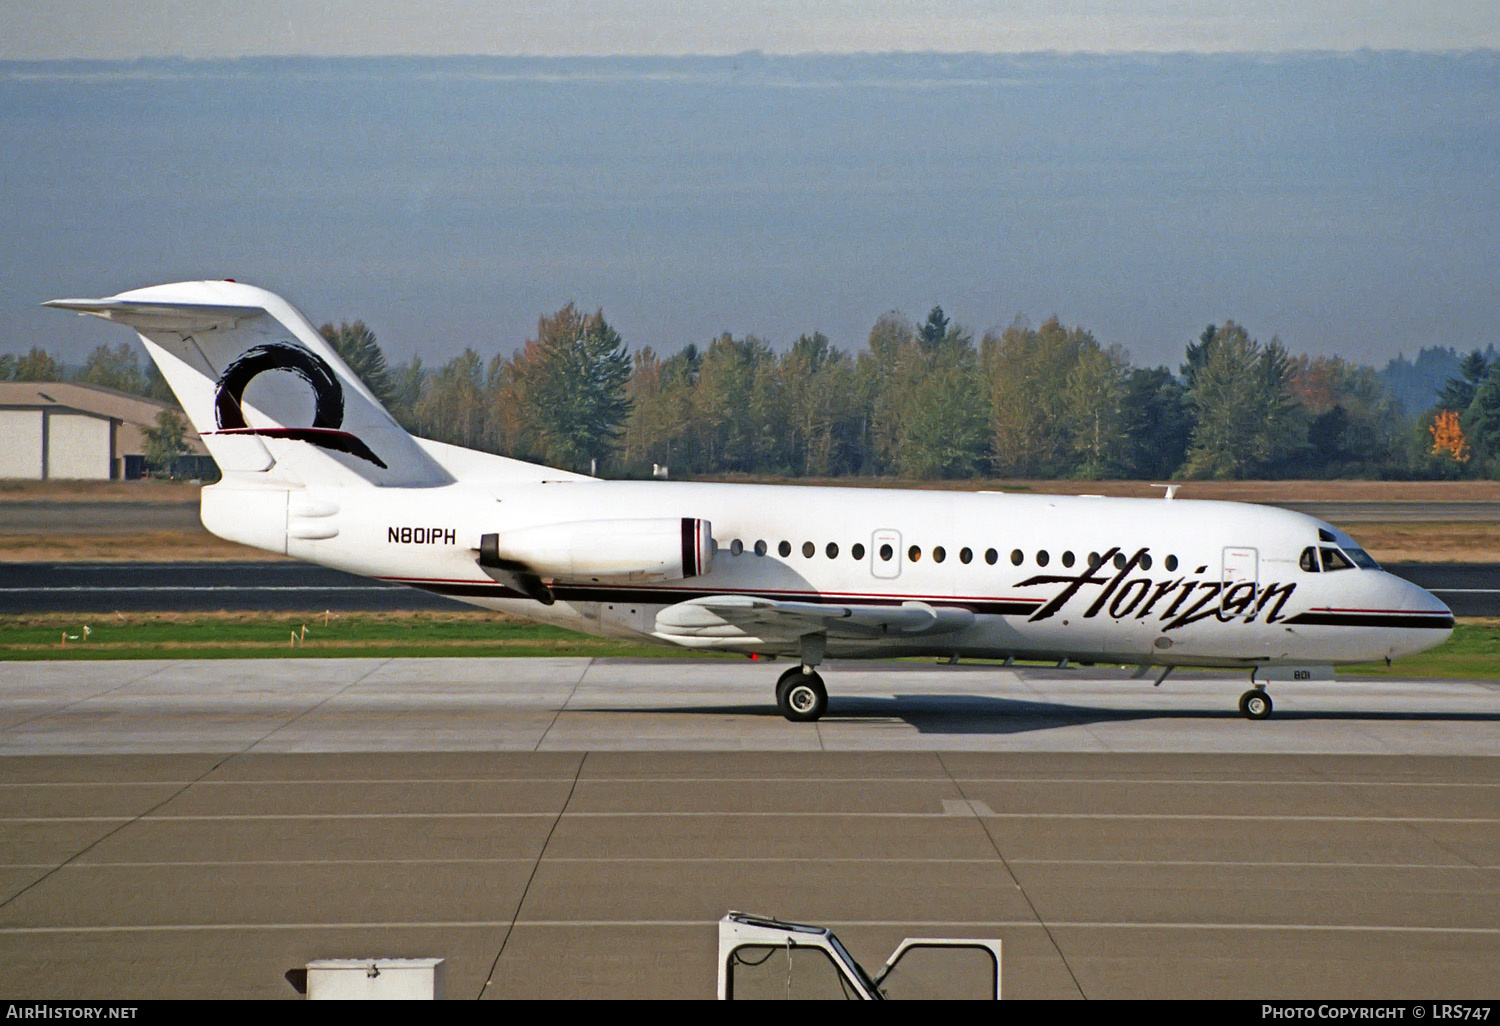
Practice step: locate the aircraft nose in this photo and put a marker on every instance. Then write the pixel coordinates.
(1416, 599)
(1426, 619)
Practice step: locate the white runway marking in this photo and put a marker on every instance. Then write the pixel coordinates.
(95, 589)
(694, 924)
(1260, 784)
(966, 807)
(712, 860)
(966, 810)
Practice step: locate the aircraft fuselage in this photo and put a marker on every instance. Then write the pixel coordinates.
(1164, 582)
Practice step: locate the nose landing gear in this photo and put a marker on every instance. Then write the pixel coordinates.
(1255, 704)
(800, 695)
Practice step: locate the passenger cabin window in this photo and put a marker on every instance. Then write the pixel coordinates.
(857, 551)
(991, 556)
(808, 548)
(1016, 557)
(736, 547)
(1067, 559)
(886, 552)
(785, 548)
(1333, 560)
(1042, 558)
(914, 553)
(939, 554)
(833, 550)
(965, 555)
(760, 548)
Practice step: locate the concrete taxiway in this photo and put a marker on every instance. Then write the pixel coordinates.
(573, 827)
(582, 704)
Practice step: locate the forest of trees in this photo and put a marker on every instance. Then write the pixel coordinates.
(921, 401)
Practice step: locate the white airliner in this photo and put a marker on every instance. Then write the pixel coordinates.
(315, 468)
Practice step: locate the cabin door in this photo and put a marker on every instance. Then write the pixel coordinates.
(885, 554)
(1240, 579)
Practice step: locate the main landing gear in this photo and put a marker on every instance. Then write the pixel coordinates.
(1255, 704)
(800, 695)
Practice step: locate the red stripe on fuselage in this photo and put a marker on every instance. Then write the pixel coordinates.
(834, 595)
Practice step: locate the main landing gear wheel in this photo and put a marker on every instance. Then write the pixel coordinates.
(801, 696)
(782, 681)
(1255, 704)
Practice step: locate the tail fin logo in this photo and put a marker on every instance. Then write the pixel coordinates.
(327, 393)
(328, 398)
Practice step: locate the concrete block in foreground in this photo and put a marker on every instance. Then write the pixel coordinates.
(375, 979)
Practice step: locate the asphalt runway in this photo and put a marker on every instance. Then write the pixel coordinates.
(182, 587)
(50, 516)
(1469, 589)
(575, 827)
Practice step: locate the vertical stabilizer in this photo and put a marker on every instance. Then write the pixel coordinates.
(270, 397)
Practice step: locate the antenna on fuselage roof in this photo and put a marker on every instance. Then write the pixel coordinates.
(1171, 490)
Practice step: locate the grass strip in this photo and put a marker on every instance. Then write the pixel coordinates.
(52, 636)
(1472, 653)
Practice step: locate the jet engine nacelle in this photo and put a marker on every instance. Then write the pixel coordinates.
(664, 549)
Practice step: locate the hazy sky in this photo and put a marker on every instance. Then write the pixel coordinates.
(231, 28)
(1347, 203)
(1341, 198)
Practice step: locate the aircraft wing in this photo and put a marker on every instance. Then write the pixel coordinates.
(731, 616)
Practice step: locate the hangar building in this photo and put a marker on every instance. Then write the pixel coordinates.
(63, 430)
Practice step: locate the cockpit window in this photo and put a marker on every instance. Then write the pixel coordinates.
(1333, 560)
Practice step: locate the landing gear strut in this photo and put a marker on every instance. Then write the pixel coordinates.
(800, 695)
(1255, 704)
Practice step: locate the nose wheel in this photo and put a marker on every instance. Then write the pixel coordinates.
(1255, 704)
(801, 696)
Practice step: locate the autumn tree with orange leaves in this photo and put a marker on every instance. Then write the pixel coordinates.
(1448, 437)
